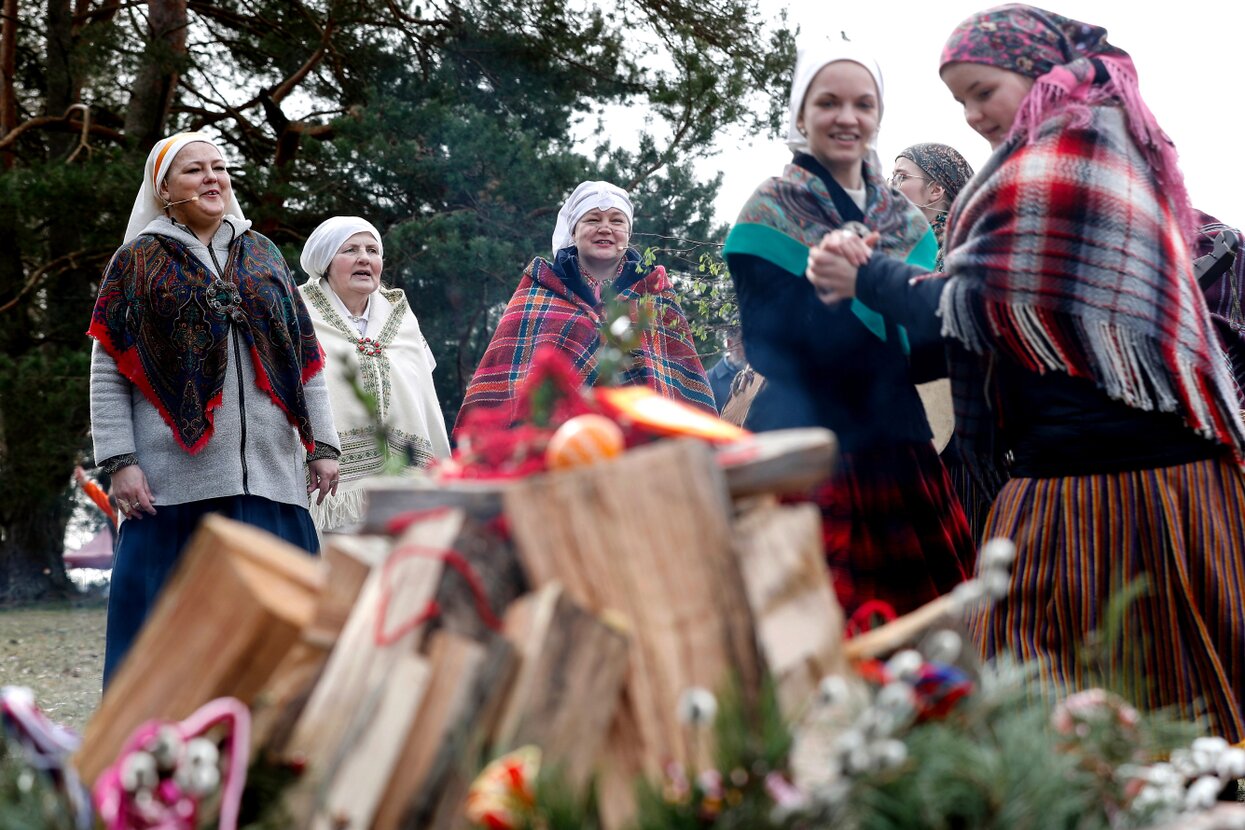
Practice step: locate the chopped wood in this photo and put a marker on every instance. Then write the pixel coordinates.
(568, 684)
(234, 606)
(352, 705)
(799, 621)
(443, 748)
(647, 536)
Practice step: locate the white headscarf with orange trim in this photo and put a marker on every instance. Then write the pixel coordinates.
(148, 205)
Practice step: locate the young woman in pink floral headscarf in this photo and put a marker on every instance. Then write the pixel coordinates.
(1082, 356)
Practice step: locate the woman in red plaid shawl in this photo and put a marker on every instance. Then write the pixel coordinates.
(1080, 349)
(560, 302)
(892, 527)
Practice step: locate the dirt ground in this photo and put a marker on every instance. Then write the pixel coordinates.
(58, 651)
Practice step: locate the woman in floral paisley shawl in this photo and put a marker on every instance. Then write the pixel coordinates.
(1083, 357)
(206, 384)
(893, 529)
(372, 344)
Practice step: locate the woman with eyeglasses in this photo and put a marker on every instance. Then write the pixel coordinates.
(1083, 357)
(931, 175)
(893, 529)
(372, 344)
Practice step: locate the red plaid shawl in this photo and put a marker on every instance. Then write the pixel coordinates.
(544, 311)
(1063, 255)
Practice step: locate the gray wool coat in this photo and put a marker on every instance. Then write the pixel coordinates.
(254, 450)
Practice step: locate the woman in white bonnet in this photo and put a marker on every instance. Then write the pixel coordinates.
(372, 342)
(207, 393)
(893, 529)
(559, 303)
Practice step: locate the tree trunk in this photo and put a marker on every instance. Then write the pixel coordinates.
(8, 78)
(30, 553)
(152, 94)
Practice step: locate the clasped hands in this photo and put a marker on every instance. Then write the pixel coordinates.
(834, 263)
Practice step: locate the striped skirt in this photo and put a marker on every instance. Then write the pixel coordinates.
(892, 528)
(1083, 541)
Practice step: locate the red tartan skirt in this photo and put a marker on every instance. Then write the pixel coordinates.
(893, 528)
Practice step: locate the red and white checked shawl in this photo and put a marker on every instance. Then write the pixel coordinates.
(1063, 255)
(544, 311)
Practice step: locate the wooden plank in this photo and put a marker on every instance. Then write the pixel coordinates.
(568, 684)
(344, 710)
(442, 748)
(903, 631)
(235, 605)
(391, 497)
(647, 536)
(782, 461)
(799, 621)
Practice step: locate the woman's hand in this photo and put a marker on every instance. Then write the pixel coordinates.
(323, 475)
(833, 264)
(129, 489)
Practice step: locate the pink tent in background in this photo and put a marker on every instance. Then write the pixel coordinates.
(96, 553)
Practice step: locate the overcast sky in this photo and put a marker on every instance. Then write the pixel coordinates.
(1190, 57)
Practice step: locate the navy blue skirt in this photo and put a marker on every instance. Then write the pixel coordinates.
(148, 549)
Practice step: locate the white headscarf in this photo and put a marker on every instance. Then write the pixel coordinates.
(147, 204)
(589, 195)
(813, 54)
(326, 240)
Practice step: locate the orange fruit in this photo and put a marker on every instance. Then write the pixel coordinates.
(584, 439)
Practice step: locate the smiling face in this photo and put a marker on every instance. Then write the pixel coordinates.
(601, 238)
(198, 178)
(990, 96)
(355, 270)
(840, 116)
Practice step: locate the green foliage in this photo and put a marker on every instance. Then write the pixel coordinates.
(751, 742)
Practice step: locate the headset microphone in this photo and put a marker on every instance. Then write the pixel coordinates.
(193, 198)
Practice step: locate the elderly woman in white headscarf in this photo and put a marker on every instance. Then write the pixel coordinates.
(206, 384)
(372, 344)
(894, 531)
(559, 302)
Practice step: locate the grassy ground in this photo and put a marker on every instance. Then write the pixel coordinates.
(58, 651)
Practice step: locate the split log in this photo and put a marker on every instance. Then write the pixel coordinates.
(647, 536)
(233, 608)
(347, 560)
(442, 749)
(567, 687)
(361, 710)
(799, 621)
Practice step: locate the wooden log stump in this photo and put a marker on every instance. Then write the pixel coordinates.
(231, 611)
(647, 536)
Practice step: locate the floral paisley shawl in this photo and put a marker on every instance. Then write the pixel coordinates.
(789, 214)
(153, 318)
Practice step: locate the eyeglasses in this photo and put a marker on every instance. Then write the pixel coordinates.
(899, 177)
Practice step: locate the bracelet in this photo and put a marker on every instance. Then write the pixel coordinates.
(115, 463)
(323, 451)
